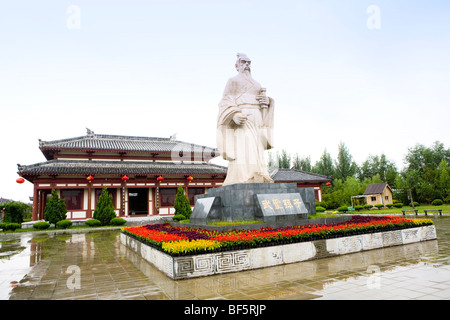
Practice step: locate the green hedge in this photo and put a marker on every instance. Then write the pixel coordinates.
(93, 223)
(118, 221)
(10, 226)
(178, 217)
(41, 225)
(64, 224)
(320, 209)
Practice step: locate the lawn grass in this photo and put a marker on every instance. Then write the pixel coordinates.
(233, 223)
(56, 229)
(421, 208)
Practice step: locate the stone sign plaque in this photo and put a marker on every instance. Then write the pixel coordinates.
(276, 206)
(205, 207)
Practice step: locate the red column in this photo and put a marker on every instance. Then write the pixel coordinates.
(89, 210)
(35, 204)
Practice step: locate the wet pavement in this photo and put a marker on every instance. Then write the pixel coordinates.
(95, 265)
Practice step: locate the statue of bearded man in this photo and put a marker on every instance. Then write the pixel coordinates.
(245, 127)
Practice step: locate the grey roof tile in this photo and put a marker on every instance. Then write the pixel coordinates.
(101, 142)
(377, 188)
(280, 175)
(86, 167)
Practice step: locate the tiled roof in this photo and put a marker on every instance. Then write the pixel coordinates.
(101, 142)
(87, 167)
(377, 188)
(280, 175)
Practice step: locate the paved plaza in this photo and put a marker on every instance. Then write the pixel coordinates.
(95, 265)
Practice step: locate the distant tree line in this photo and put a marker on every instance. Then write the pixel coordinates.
(426, 173)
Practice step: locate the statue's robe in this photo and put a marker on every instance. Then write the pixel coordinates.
(243, 145)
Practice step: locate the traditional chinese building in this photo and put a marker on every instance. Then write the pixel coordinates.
(141, 173)
(303, 179)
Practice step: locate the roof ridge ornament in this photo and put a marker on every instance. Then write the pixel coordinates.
(89, 132)
(173, 137)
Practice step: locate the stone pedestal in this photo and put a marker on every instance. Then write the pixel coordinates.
(268, 202)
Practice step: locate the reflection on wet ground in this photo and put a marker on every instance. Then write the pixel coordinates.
(94, 265)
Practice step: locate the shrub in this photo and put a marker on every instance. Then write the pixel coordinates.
(181, 204)
(10, 226)
(398, 205)
(15, 211)
(178, 217)
(322, 204)
(320, 209)
(437, 202)
(416, 204)
(367, 206)
(104, 211)
(118, 221)
(379, 206)
(359, 208)
(42, 225)
(390, 205)
(93, 223)
(342, 209)
(64, 224)
(55, 209)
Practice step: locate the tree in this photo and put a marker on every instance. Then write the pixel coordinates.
(425, 172)
(443, 181)
(325, 165)
(284, 160)
(271, 162)
(104, 211)
(380, 165)
(182, 205)
(303, 164)
(15, 211)
(420, 157)
(55, 209)
(345, 166)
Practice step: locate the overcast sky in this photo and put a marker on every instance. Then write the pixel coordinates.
(372, 74)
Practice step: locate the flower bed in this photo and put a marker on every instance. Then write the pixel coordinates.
(180, 241)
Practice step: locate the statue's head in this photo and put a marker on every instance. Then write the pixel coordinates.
(243, 63)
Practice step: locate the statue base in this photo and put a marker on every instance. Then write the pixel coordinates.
(267, 202)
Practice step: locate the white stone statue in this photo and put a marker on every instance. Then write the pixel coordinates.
(245, 127)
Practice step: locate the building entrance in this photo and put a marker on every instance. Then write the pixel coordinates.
(137, 201)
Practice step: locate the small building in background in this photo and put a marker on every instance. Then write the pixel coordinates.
(379, 193)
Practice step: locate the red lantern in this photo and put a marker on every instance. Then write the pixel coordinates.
(90, 179)
(20, 180)
(328, 183)
(125, 178)
(160, 178)
(190, 178)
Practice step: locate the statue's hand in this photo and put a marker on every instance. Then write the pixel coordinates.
(239, 118)
(263, 99)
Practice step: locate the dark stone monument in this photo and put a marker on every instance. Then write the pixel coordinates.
(268, 202)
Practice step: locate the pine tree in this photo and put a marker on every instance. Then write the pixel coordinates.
(104, 211)
(325, 165)
(55, 209)
(344, 165)
(182, 205)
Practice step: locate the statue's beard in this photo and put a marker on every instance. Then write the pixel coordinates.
(246, 72)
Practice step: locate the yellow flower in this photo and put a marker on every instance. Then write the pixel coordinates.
(185, 246)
